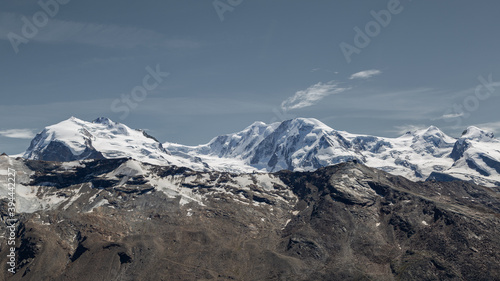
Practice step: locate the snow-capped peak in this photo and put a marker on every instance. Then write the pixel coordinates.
(305, 124)
(432, 130)
(432, 136)
(104, 121)
(296, 144)
(259, 128)
(75, 139)
(476, 134)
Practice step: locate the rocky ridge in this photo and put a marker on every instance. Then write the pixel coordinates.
(120, 219)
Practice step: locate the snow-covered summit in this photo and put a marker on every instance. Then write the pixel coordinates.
(297, 144)
(75, 139)
(104, 121)
(476, 134)
(431, 140)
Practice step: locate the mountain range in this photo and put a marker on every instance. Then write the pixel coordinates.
(301, 144)
(294, 200)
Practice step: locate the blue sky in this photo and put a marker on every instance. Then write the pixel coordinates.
(190, 70)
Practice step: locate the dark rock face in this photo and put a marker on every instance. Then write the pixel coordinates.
(343, 222)
(495, 164)
(410, 231)
(458, 149)
(53, 173)
(441, 177)
(57, 151)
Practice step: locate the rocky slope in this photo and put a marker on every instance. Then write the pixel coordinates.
(120, 219)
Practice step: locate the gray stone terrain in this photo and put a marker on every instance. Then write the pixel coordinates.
(97, 220)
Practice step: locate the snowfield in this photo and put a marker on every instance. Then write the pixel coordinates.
(301, 144)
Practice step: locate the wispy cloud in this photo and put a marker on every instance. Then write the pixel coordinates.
(312, 95)
(101, 35)
(411, 105)
(17, 133)
(449, 116)
(325, 70)
(491, 126)
(365, 74)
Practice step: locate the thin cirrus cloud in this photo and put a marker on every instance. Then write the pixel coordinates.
(365, 74)
(491, 126)
(317, 92)
(312, 95)
(100, 35)
(450, 116)
(17, 133)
